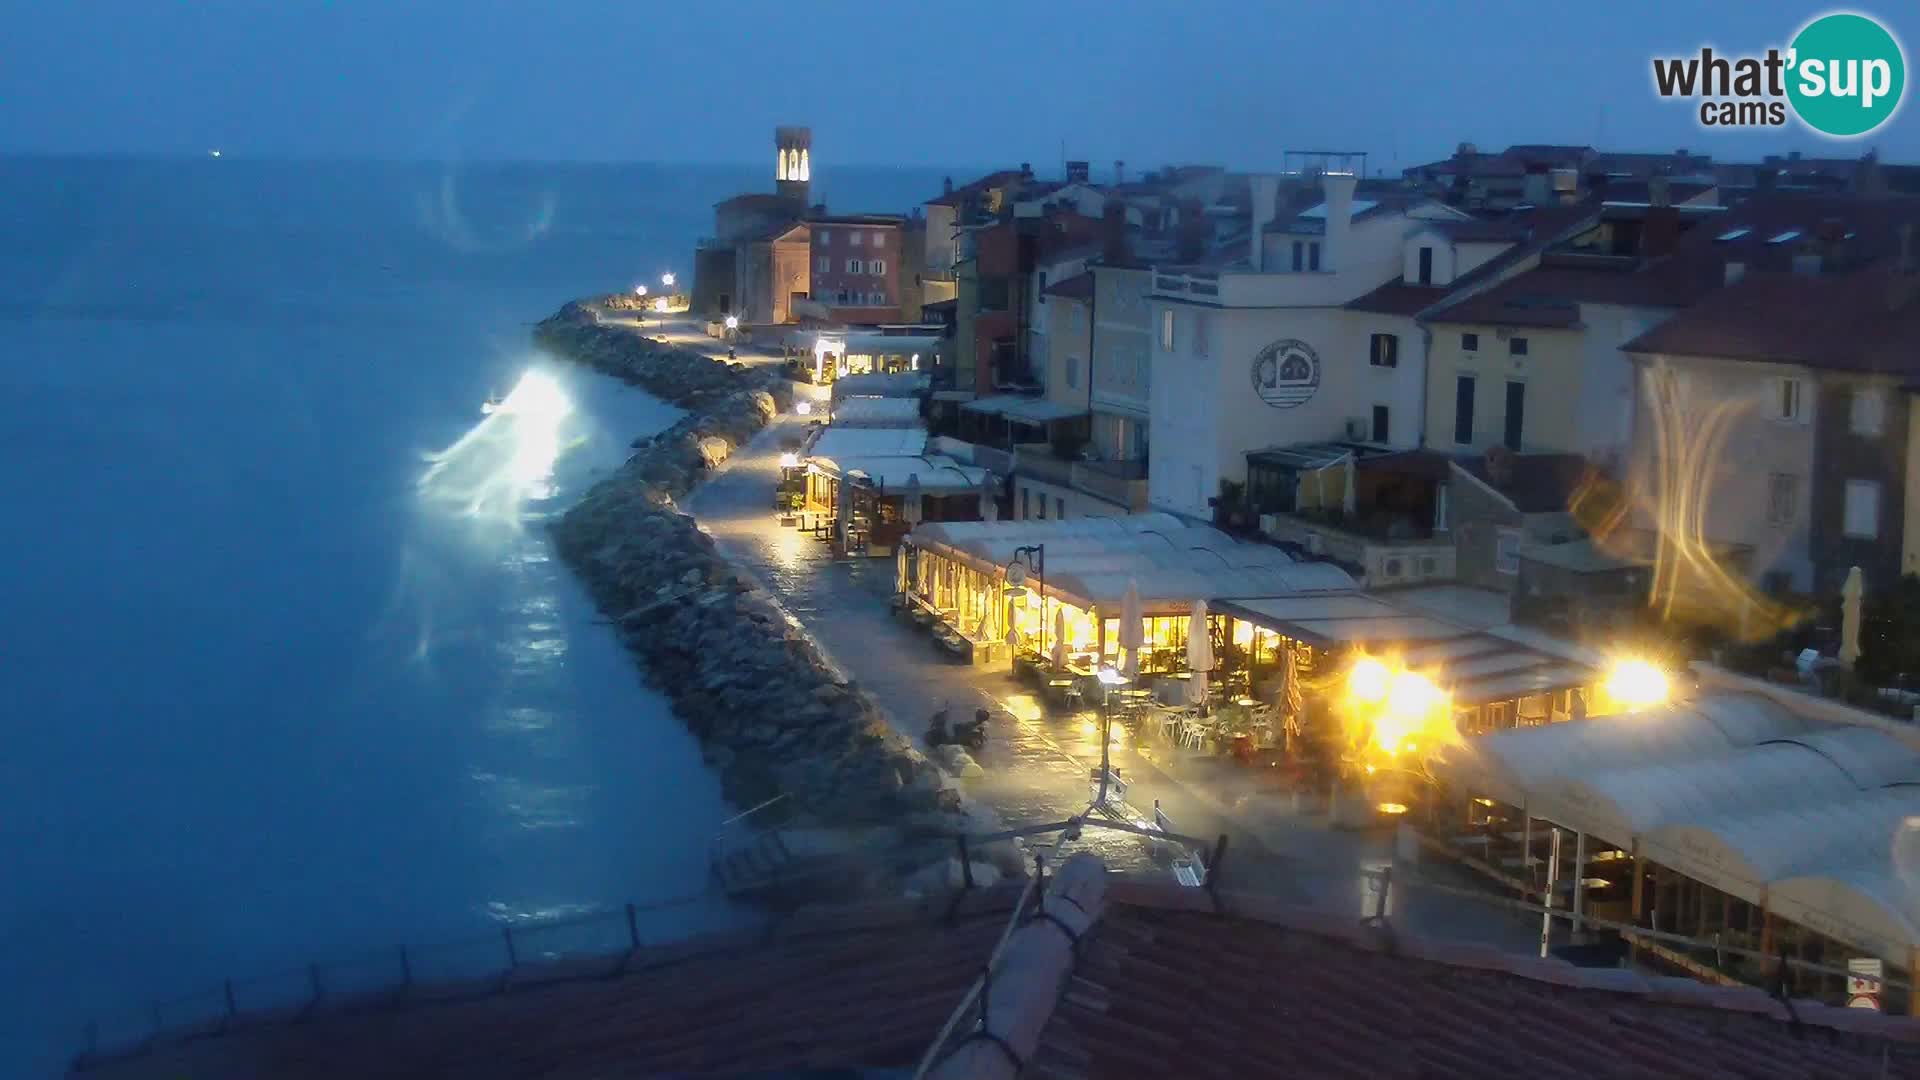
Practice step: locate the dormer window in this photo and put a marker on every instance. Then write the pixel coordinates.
(1426, 265)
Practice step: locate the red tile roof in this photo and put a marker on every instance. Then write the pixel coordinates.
(1397, 297)
(1550, 295)
(758, 199)
(966, 191)
(1866, 321)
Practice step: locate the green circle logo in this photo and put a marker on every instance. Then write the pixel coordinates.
(1847, 75)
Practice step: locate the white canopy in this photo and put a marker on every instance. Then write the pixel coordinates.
(1089, 561)
(876, 412)
(1819, 822)
(935, 475)
(878, 384)
(864, 442)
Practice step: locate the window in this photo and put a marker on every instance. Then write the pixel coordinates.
(1516, 413)
(826, 237)
(854, 237)
(1384, 350)
(1380, 430)
(824, 264)
(1783, 493)
(1073, 371)
(1299, 253)
(1869, 411)
(1023, 504)
(1463, 410)
(1199, 333)
(879, 239)
(1426, 266)
(1042, 508)
(853, 266)
(1166, 329)
(1517, 346)
(1789, 400)
(1863, 510)
(1059, 507)
(1313, 255)
(1469, 342)
(876, 266)
(1506, 551)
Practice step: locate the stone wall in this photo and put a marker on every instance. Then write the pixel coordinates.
(772, 714)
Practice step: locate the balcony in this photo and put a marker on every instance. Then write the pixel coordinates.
(1121, 482)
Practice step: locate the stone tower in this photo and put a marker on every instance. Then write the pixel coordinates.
(793, 166)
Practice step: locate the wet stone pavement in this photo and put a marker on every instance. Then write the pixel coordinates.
(1038, 764)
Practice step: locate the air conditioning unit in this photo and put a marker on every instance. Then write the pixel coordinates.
(1390, 569)
(1315, 545)
(1269, 523)
(1357, 430)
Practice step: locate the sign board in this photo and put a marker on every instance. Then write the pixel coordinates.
(1863, 983)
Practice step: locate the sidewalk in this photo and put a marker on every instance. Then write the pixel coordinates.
(1039, 771)
(687, 332)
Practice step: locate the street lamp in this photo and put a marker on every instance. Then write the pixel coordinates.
(1109, 679)
(639, 290)
(667, 280)
(733, 325)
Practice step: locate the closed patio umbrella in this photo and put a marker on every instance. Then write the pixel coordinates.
(1199, 654)
(843, 515)
(910, 509)
(1059, 638)
(1132, 635)
(1850, 617)
(989, 506)
(900, 582)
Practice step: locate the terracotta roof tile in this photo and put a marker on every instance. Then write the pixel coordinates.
(1842, 322)
(1397, 297)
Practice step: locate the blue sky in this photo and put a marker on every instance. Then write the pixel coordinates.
(966, 83)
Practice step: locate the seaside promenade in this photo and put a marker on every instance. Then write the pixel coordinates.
(1037, 767)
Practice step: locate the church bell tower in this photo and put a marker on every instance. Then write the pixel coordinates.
(793, 166)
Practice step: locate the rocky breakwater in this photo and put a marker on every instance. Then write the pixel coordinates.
(772, 714)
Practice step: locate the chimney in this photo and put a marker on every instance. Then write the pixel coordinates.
(1026, 170)
(1735, 271)
(1113, 236)
(1265, 190)
(946, 187)
(1339, 194)
(1119, 172)
(1077, 172)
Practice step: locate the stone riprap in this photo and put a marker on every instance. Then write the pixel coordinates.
(772, 714)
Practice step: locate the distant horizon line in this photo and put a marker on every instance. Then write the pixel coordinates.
(377, 159)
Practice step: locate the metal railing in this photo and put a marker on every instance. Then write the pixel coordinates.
(599, 945)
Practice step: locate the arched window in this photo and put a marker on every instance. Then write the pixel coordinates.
(806, 167)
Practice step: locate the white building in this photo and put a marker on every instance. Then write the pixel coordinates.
(1260, 349)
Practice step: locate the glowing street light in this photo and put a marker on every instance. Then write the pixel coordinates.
(667, 280)
(660, 305)
(733, 322)
(1369, 680)
(804, 408)
(1637, 684)
(639, 290)
(789, 460)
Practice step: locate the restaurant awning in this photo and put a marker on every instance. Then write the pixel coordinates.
(937, 475)
(1023, 409)
(1819, 822)
(876, 412)
(880, 384)
(1089, 561)
(866, 442)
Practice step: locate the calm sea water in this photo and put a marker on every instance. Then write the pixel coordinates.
(287, 669)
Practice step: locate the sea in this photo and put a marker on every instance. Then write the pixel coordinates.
(289, 673)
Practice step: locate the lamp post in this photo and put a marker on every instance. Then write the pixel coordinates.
(1033, 556)
(1109, 679)
(733, 326)
(667, 280)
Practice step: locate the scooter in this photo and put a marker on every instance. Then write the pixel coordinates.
(971, 734)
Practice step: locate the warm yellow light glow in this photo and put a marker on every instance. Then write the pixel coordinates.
(1637, 684)
(1369, 680)
(660, 305)
(1393, 808)
(789, 460)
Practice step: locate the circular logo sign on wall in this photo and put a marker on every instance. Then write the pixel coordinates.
(1286, 373)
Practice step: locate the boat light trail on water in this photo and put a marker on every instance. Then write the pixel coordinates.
(508, 457)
